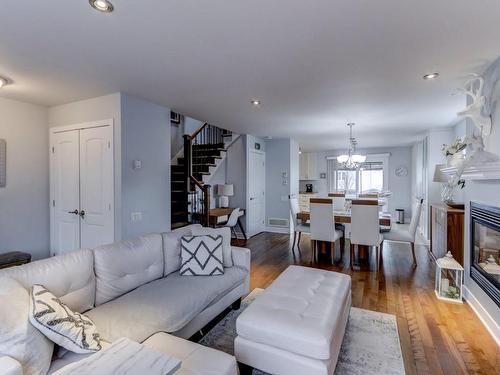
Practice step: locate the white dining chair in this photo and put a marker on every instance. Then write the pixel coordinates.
(233, 220)
(367, 195)
(322, 221)
(407, 236)
(338, 201)
(298, 226)
(365, 229)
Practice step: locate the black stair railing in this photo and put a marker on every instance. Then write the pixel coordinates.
(200, 151)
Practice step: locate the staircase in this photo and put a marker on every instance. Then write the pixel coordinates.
(203, 153)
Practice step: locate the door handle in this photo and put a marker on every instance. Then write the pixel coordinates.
(252, 199)
(75, 212)
(82, 214)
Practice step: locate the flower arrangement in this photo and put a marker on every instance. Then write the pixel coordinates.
(458, 146)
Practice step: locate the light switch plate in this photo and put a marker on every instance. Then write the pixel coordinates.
(136, 216)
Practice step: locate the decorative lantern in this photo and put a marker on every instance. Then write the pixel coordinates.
(449, 279)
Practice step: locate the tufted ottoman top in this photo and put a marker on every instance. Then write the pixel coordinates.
(300, 312)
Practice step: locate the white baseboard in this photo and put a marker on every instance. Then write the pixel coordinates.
(277, 230)
(490, 323)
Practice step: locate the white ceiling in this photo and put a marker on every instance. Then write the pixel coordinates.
(314, 64)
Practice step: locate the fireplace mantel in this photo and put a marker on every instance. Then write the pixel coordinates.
(484, 171)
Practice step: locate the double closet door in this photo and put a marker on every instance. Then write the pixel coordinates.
(82, 188)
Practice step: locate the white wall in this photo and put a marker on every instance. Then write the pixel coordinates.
(486, 192)
(24, 202)
(236, 173)
(100, 108)
(435, 140)
(145, 137)
(277, 162)
(294, 167)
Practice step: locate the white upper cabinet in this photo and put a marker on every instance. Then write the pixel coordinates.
(307, 167)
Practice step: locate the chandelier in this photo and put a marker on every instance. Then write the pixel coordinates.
(351, 160)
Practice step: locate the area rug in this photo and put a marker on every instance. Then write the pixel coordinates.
(371, 342)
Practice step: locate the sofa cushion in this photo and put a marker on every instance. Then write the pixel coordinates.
(18, 338)
(70, 277)
(172, 247)
(201, 256)
(71, 330)
(164, 305)
(225, 232)
(196, 359)
(126, 265)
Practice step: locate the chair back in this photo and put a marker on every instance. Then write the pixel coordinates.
(233, 218)
(365, 229)
(368, 195)
(322, 219)
(338, 201)
(415, 218)
(294, 209)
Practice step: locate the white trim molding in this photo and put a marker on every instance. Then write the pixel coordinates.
(484, 171)
(281, 230)
(490, 323)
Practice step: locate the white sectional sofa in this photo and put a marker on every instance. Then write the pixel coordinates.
(133, 289)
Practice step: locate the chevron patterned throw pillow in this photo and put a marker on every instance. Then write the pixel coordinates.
(71, 330)
(201, 255)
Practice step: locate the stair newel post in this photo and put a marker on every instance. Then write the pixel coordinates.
(188, 160)
(206, 206)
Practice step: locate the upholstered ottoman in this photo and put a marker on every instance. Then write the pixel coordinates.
(297, 324)
(196, 359)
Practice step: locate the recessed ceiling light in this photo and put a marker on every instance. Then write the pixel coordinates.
(102, 5)
(431, 76)
(255, 102)
(3, 82)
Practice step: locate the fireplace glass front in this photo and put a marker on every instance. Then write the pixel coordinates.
(485, 249)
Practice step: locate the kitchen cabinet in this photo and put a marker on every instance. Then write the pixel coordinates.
(304, 200)
(307, 166)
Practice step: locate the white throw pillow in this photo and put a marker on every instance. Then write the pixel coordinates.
(71, 330)
(225, 232)
(201, 256)
(172, 247)
(18, 338)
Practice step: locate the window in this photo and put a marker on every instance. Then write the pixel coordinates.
(346, 180)
(371, 175)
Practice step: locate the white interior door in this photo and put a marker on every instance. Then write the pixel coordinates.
(256, 191)
(96, 187)
(65, 191)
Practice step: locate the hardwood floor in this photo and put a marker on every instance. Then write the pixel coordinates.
(436, 337)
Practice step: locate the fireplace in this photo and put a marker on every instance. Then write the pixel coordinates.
(485, 248)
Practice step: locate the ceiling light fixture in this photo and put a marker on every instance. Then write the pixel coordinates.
(102, 5)
(351, 160)
(431, 76)
(3, 82)
(255, 102)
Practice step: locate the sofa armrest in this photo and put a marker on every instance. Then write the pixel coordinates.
(241, 257)
(9, 366)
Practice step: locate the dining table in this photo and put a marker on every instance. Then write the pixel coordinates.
(222, 213)
(344, 217)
